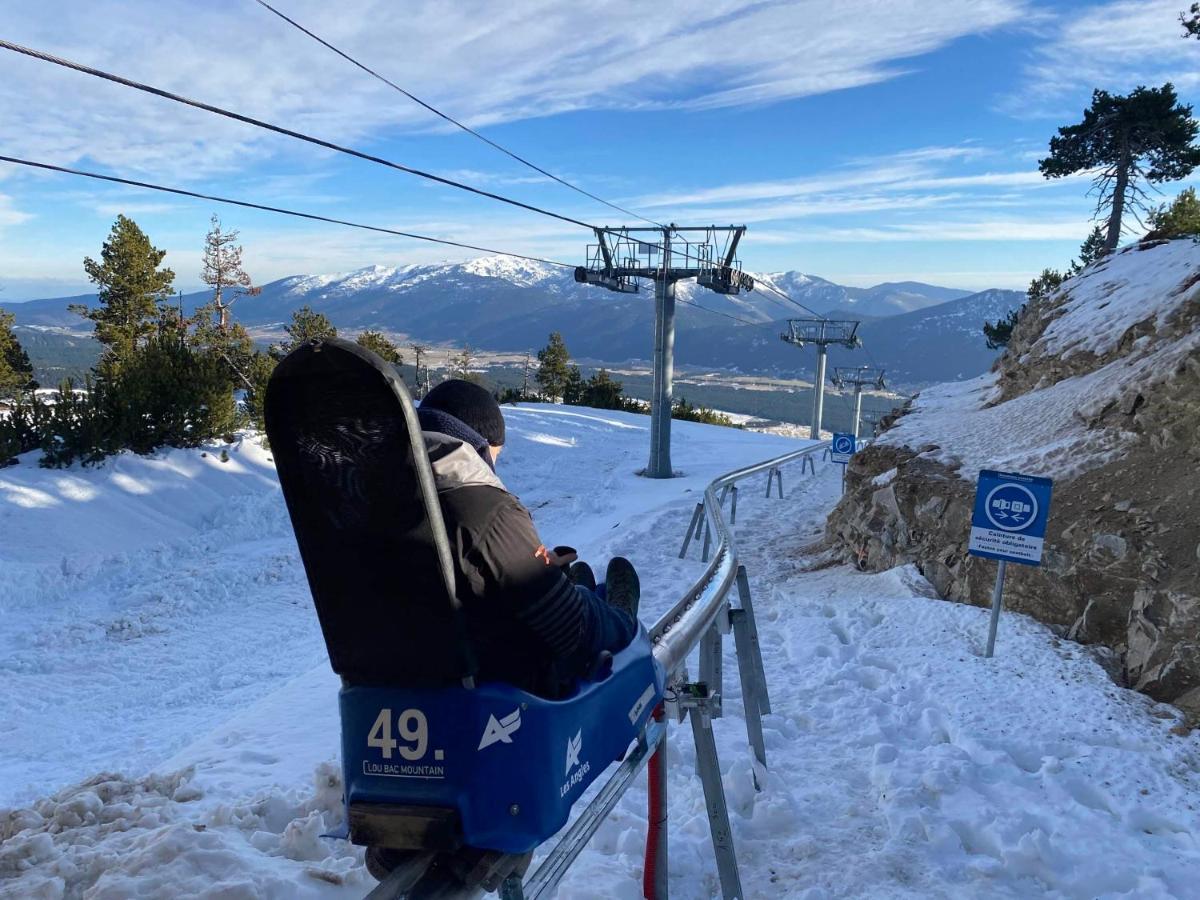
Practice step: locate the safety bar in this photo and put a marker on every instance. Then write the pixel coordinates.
(674, 635)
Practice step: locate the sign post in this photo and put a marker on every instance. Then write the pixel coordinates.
(840, 451)
(1008, 524)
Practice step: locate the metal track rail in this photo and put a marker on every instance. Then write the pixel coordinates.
(678, 632)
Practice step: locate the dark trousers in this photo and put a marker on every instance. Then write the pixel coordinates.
(604, 626)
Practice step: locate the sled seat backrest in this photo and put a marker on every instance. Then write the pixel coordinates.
(359, 489)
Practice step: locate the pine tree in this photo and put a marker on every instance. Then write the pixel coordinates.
(1143, 137)
(305, 325)
(260, 369)
(1181, 218)
(131, 289)
(223, 272)
(603, 392)
(1044, 285)
(1092, 248)
(573, 387)
(169, 393)
(553, 373)
(1190, 21)
(16, 372)
(998, 334)
(461, 365)
(377, 342)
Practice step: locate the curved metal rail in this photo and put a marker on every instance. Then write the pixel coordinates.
(674, 635)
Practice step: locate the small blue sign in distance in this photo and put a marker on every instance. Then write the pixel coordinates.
(842, 448)
(1009, 518)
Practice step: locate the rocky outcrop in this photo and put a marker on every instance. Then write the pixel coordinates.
(1115, 355)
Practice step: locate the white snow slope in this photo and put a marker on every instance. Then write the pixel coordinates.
(155, 623)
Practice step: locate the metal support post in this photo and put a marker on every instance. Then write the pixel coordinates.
(664, 365)
(754, 650)
(779, 482)
(693, 529)
(709, 770)
(857, 408)
(807, 465)
(771, 473)
(733, 506)
(752, 689)
(818, 394)
(997, 595)
(707, 540)
(712, 668)
(654, 875)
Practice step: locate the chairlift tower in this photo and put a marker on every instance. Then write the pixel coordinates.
(822, 333)
(619, 258)
(858, 377)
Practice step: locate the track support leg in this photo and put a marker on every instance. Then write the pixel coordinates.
(733, 507)
(712, 669)
(692, 529)
(753, 649)
(709, 770)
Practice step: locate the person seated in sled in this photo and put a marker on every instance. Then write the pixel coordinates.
(535, 618)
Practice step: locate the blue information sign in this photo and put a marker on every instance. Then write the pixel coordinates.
(843, 447)
(1009, 520)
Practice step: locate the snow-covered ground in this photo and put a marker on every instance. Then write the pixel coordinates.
(154, 622)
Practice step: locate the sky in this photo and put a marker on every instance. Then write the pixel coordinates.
(859, 141)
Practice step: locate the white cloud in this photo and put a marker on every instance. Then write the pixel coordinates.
(9, 214)
(1115, 46)
(483, 62)
(890, 187)
(1018, 229)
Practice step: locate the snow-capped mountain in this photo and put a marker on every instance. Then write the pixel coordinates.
(503, 303)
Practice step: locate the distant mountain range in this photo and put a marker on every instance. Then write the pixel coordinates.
(919, 332)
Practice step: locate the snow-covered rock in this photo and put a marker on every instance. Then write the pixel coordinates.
(1100, 390)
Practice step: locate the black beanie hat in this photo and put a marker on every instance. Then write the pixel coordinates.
(470, 404)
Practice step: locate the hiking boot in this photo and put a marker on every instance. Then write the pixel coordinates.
(581, 574)
(622, 587)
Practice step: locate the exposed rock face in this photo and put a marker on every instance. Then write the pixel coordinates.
(1122, 559)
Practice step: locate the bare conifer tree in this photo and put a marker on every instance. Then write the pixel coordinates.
(223, 271)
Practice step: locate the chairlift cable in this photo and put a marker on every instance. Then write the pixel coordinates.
(275, 209)
(287, 132)
(453, 121)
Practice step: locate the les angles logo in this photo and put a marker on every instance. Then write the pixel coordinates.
(574, 750)
(500, 731)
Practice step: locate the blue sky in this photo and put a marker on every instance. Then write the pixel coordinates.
(859, 141)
